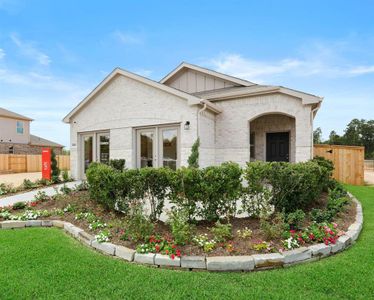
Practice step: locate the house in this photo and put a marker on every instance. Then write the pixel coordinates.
(15, 137)
(151, 123)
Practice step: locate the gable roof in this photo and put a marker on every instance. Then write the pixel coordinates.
(12, 115)
(254, 90)
(185, 65)
(38, 141)
(118, 71)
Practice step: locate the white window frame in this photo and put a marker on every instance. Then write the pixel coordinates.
(20, 125)
(157, 144)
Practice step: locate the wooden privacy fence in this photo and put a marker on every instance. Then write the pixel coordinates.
(348, 162)
(18, 163)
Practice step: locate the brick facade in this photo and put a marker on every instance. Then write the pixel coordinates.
(25, 149)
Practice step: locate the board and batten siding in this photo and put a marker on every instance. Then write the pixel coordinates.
(191, 81)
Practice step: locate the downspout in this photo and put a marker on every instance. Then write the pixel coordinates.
(311, 125)
(198, 118)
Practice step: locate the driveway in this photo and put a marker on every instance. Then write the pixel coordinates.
(369, 177)
(17, 178)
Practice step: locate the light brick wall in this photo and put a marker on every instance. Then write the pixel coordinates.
(125, 104)
(232, 127)
(272, 123)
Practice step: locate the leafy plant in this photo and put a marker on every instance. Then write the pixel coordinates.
(28, 184)
(263, 246)
(41, 196)
(179, 225)
(138, 227)
(118, 164)
(65, 190)
(295, 219)
(65, 176)
(221, 232)
(19, 205)
(193, 159)
(245, 233)
(103, 236)
(203, 241)
(273, 227)
(55, 169)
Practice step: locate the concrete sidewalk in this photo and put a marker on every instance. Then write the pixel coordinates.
(29, 196)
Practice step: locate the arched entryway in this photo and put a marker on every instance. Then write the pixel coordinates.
(272, 137)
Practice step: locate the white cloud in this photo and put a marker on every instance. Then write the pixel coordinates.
(29, 50)
(127, 38)
(319, 60)
(2, 53)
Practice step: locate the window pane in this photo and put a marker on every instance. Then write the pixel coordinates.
(104, 148)
(20, 127)
(169, 144)
(88, 151)
(146, 149)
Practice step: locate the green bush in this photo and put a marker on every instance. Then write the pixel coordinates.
(55, 169)
(102, 184)
(19, 205)
(321, 216)
(156, 189)
(193, 159)
(294, 186)
(181, 229)
(295, 219)
(118, 164)
(220, 188)
(186, 190)
(28, 184)
(273, 227)
(138, 227)
(222, 232)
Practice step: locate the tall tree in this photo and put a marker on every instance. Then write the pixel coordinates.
(317, 136)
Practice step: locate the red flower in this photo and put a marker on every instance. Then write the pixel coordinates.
(173, 246)
(172, 256)
(167, 251)
(157, 248)
(178, 252)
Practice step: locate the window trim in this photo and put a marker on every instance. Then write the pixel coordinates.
(20, 125)
(252, 144)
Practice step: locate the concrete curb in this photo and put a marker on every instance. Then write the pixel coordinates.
(218, 263)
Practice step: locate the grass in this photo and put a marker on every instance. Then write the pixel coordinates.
(41, 263)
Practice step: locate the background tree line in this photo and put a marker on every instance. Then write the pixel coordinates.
(357, 133)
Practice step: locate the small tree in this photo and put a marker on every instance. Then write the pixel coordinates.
(55, 169)
(193, 160)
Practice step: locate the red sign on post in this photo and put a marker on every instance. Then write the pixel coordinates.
(46, 163)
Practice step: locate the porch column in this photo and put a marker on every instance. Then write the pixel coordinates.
(303, 143)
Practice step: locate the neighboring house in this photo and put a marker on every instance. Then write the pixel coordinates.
(151, 123)
(15, 137)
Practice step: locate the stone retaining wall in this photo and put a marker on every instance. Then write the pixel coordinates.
(210, 263)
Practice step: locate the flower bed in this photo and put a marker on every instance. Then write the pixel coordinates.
(119, 215)
(224, 263)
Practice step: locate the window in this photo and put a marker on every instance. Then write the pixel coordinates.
(103, 140)
(19, 127)
(252, 145)
(158, 147)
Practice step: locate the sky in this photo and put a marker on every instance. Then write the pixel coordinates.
(53, 53)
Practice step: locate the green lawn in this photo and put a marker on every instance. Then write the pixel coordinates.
(45, 263)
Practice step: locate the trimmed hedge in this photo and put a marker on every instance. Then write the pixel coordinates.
(211, 193)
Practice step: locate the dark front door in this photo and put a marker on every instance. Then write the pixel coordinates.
(278, 146)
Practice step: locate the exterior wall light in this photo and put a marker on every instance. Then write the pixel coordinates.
(187, 125)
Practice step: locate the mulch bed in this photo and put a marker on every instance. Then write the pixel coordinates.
(81, 201)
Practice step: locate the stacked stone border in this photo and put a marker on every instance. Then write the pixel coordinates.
(214, 263)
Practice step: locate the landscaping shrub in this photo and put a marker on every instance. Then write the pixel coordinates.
(295, 219)
(138, 227)
(19, 205)
(181, 229)
(293, 186)
(102, 184)
(220, 188)
(273, 227)
(55, 169)
(186, 190)
(193, 159)
(222, 232)
(156, 188)
(118, 164)
(129, 189)
(28, 184)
